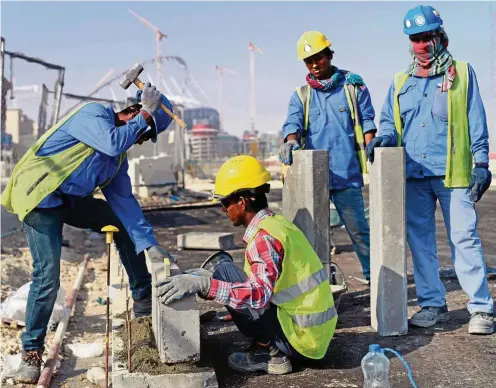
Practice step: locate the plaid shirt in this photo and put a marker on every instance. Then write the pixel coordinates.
(265, 255)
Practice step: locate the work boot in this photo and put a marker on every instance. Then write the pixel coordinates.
(481, 323)
(30, 368)
(261, 357)
(429, 316)
(142, 307)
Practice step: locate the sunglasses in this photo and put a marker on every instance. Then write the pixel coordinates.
(422, 37)
(227, 201)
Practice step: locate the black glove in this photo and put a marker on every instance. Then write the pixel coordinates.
(379, 141)
(481, 180)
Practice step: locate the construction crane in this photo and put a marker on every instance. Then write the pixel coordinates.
(220, 71)
(159, 36)
(252, 48)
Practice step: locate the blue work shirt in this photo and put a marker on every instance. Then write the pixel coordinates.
(330, 128)
(94, 125)
(424, 110)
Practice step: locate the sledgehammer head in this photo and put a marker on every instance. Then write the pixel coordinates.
(131, 76)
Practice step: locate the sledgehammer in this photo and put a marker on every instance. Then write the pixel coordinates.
(131, 77)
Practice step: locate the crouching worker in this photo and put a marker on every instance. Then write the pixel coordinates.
(52, 185)
(283, 298)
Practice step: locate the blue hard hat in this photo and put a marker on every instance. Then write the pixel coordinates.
(422, 18)
(161, 119)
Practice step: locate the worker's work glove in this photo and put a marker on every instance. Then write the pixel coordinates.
(481, 180)
(179, 286)
(199, 272)
(158, 253)
(285, 150)
(150, 98)
(379, 141)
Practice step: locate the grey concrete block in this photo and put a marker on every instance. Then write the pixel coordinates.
(183, 380)
(206, 241)
(388, 292)
(176, 326)
(305, 198)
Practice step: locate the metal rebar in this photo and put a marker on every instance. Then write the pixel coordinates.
(107, 333)
(128, 325)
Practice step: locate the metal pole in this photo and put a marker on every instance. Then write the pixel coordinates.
(12, 78)
(59, 85)
(42, 111)
(252, 90)
(3, 85)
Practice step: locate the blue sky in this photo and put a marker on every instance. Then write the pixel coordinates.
(89, 38)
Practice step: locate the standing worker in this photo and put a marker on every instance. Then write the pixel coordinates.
(435, 111)
(283, 298)
(52, 185)
(334, 112)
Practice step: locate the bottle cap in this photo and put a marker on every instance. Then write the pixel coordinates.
(375, 348)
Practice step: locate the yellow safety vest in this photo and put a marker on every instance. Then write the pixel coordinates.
(459, 157)
(351, 96)
(302, 294)
(34, 177)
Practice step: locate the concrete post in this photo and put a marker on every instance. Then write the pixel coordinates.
(388, 288)
(305, 199)
(176, 326)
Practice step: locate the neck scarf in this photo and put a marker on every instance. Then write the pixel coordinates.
(433, 58)
(326, 84)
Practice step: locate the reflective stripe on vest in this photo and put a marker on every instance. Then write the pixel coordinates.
(459, 159)
(298, 289)
(315, 319)
(351, 96)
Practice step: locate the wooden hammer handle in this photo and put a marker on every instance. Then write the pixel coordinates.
(141, 85)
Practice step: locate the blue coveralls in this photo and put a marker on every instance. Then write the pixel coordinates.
(74, 204)
(424, 110)
(331, 128)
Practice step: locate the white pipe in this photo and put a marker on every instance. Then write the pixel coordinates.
(46, 374)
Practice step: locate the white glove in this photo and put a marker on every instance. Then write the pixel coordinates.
(158, 253)
(150, 98)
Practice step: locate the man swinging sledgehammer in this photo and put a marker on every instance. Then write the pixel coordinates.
(53, 185)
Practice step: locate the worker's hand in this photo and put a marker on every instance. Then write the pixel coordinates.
(158, 253)
(199, 272)
(150, 98)
(481, 180)
(179, 286)
(379, 141)
(285, 150)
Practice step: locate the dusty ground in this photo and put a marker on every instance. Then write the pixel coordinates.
(87, 325)
(440, 357)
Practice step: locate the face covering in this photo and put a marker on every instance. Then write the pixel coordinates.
(432, 58)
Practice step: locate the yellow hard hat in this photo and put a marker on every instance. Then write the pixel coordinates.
(310, 43)
(238, 173)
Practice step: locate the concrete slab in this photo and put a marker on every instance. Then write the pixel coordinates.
(206, 241)
(152, 175)
(305, 198)
(388, 293)
(176, 326)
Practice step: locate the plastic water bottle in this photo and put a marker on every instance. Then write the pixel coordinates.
(375, 367)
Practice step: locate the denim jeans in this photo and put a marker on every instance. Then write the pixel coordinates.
(350, 207)
(460, 220)
(43, 229)
(262, 325)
